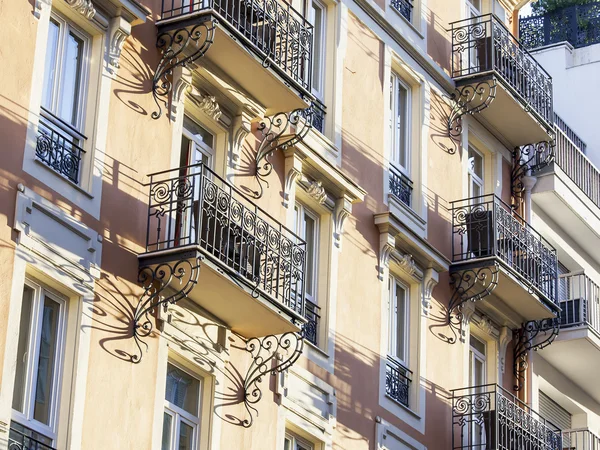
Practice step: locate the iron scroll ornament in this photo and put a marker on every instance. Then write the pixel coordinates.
(273, 130)
(524, 342)
(531, 157)
(469, 99)
(470, 285)
(180, 277)
(173, 45)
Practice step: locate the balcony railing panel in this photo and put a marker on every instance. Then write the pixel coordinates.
(194, 206)
(397, 381)
(579, 300)
(580, 439)
(489, 417)
(23, 438)
(401, 186)
(274, 30)
(59, 146)
(486, 227)
(578, 24)
(404, 7)
(312, 313)
(483, 45)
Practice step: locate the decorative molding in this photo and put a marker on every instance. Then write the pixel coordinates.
(430, 280)
(387, 245)
(83, 7)
(39, 5)
(341, 211)
(406, 263)
(317, 191)
(293, 171)
(469, 99)
(207, 103)
(119, 30)
(182, 77)
(503, 341)
(242, 125)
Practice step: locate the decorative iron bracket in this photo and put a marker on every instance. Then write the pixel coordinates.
(546, 329)
(270, 355)
(470, 285)
(469, 99)
(179, 277)
(179, 48)
(272, 130)
(529, 158)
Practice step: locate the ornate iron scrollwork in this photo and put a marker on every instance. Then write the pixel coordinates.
(174, 45)
(546, 330)
(470, 285)
(270, 355)
(273, 129)
(531, 157)
(469, 99)
(180, 277)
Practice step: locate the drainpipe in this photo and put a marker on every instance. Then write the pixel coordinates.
(528, 184)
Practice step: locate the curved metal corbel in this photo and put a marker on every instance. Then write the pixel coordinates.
(273, 129)
(529, 158)
(470, 285)
(524, 342)
(469, 99)
(270, 355)
(174, 44)
(180, 277)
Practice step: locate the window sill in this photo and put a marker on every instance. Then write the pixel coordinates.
(317, 349)
(66, 180)
(404, 408)
(408, 215)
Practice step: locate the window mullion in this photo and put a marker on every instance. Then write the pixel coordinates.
(33, 361)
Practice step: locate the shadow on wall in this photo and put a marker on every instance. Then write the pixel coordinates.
(133, 79)
(438, 39)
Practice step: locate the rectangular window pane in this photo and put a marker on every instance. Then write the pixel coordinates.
(309, 227)
(71, 82)
(401, 124)
(46, 361)
(287, 444)
(186, 436)
(200, 133)
(400, 322)
(182, 390)
(166, 433)
(23, 350)
(50, 71)
(318, 40)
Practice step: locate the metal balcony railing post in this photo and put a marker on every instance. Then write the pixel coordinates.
(496, 420)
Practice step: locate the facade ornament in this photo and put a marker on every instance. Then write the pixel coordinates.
(207, 103)
(387, 247)
(317, 191)
(83, 7)
(242, 125)
(293, 171)
(430, 281)
(503, 340)
(119, 30)
(469, 99)
(182, 77)
(486, 325)
(39, 5)
(341, 211)
(407, 263)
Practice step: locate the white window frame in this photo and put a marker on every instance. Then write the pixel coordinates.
(301, 211)
(296, 441)
(179, 415)
(319, 91)
(66, 26)
(471, 11)
(393, 322)
(199, 145)
(25, 418)
(396, 138)
(475, 179)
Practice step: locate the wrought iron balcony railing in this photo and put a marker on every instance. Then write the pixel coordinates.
(580, 439)
(312, 313)
(483, 45)
(272, 29)
(401, 186)
(579, 300)
(578, 24)
(486, 227)
(489, 417)
(397, 381)
(59, 146)
(318, 116)
(23, 438)
(193, 206)
(404, 7)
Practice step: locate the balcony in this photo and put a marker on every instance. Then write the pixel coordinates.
(312, 314)
(401, 186)
(252, 269)
(579, 337)
(487, 232)
(568, 190)
(578, 25)
(489, 417)
(581, 439)
(484, 52)
(23, 438)
(264, 46)
(397, 381)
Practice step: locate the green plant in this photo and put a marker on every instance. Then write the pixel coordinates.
(547, 6)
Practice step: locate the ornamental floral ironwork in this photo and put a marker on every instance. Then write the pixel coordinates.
(193, 207)
(489, 417)
(483, 46)
(23, 438)
(404, 7)
(529, 159)
(312, 314)
(401, 186)
(397, 381)
(58, 146)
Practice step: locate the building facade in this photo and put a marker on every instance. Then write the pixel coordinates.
(232, 224)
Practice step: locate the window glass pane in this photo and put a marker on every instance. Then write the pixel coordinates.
(186, 436)
(184, 158)
(50, 64)
(479, 372)
(309, 227)
(319, 41)
(287, 445)
(23, 349)
(46, 361)
(182, 390)
(476, 162)
(166, 433)
(477, 345)
(401, 124)
(400, 321)
(200, 133)
(71, 82)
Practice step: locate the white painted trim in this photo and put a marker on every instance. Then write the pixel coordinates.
(384, 430)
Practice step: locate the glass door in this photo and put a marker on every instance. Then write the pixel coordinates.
(477, 379)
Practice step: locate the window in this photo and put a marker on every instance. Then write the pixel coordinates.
(475, 171)
(317, 16)
(473, 8)
(307, 227)
(60, 138)
(477, 378)
(197, 144)
(181, 420)
(38, 368)
(399, 123)
(294, 442)
(398, 316)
